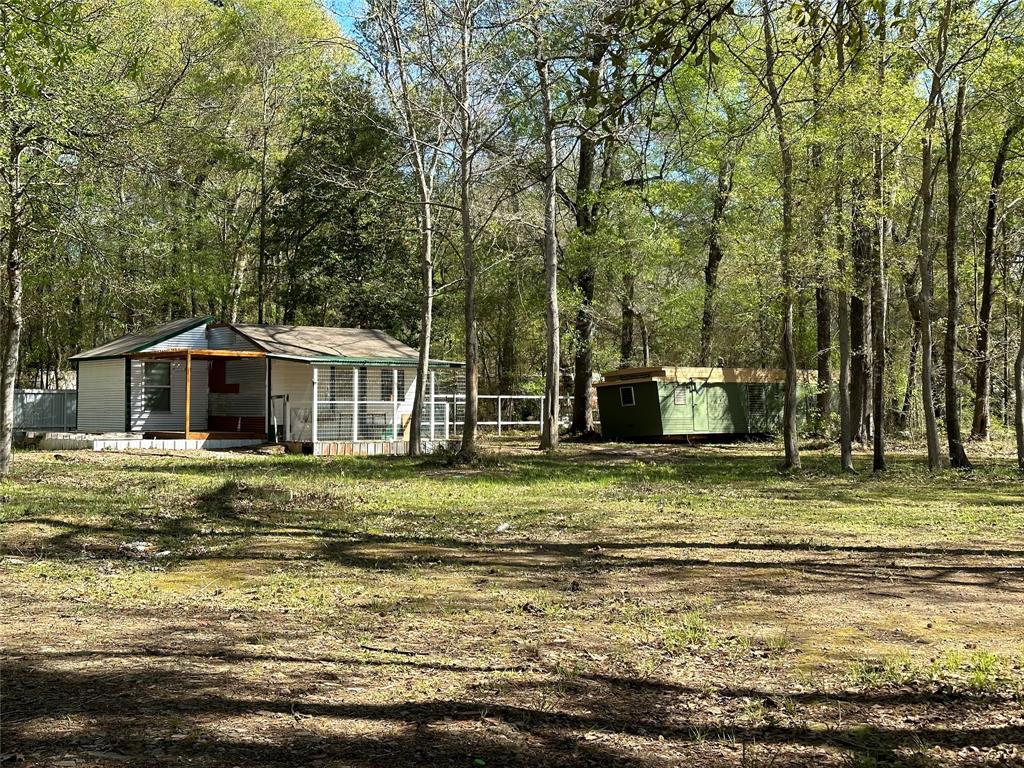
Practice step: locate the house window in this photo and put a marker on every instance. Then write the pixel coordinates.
(679, 395)
(157, 387)
(626, 396)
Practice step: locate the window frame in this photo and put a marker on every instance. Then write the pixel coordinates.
(622, 396)
(149, 388)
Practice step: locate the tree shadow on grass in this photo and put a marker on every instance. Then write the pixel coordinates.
(176, 711)
(244, 534)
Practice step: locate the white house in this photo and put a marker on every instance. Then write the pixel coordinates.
(321, 390)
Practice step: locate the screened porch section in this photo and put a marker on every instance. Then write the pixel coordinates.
(375, 403)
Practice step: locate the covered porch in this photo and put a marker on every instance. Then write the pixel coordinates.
(197, 394)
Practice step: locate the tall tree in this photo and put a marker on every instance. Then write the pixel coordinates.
(982, 354)
(789, 418)
(552, 373)
(957, 455)
(38, 42)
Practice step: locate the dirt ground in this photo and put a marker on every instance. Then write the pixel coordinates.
(613, 606)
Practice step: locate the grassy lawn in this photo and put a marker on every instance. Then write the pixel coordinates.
(610, 605)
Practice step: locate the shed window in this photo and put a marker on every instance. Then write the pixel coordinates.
(626, 396)
(156, 381)
(679, 395)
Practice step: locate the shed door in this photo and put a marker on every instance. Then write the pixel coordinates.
(700, 409)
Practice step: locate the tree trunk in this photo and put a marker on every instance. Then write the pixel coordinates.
(426, 308)
(12, 315)
(468, 449)
(859, 317)
(858, 383)
(925, 294)
(983, 372)
(585, 207)
(957, 455)
(715, 254)
(879, 290)
(845, 423)
(822, 297)
(908, 393)
(627, 325)
(823, 323)
(261, 270)
(789, 417)
(1018, 394)
(549, 427)
(583, 368)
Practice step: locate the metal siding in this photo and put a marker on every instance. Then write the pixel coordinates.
(101, 395)
(194, 338)
(146, 421)
(676, 418)
(222, 337)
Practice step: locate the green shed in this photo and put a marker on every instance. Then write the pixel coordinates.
(656, 403)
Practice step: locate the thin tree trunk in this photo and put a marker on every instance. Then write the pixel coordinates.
(627, 325)
(845, 423)
(549, 427)
(859, 315)
(715, 254)
(426, 309)
(1018, 393)
(957, 455)
(12, 315)
(468, 449)
(822, 297)
(823, 356)
(925, 293)
(908, 393)
(789, 418)
(983, 372)
(585, 206)
(404, 100)
(261, 271)
(645, 341)
(879, 290)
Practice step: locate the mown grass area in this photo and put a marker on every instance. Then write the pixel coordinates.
(607, 604)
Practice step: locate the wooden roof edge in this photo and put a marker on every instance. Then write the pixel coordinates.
(715, 374)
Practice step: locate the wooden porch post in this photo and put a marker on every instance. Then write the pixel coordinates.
(188, 393)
